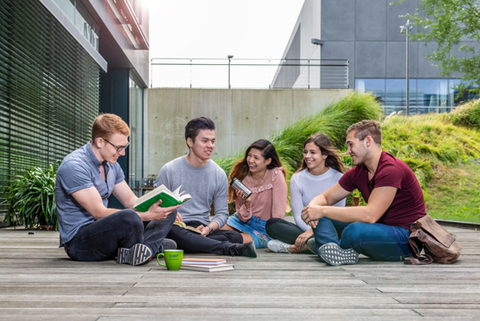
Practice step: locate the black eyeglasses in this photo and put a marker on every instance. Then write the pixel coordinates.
(119, 148)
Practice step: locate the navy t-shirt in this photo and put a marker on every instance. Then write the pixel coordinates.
(408, 204)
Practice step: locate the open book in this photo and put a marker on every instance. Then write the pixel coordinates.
(190, 228)
(142, 204)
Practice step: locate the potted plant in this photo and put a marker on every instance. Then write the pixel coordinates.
(31, 199)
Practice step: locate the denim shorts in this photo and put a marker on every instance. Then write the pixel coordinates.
(255, 227)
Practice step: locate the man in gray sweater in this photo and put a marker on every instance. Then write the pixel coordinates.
(207, 183)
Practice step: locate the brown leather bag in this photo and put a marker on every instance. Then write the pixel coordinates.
(439, 245)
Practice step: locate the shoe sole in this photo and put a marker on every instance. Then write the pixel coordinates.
(250, 251)
(334, 255)
(136, 255)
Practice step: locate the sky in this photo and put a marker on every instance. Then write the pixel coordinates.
(216, 29)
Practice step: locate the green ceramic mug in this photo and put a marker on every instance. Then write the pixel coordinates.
(173, 259)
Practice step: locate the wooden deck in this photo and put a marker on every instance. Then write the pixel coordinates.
(39, 282)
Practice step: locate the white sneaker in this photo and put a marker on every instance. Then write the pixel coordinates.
(278, 246)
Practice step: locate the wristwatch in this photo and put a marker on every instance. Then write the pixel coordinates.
(211, 229)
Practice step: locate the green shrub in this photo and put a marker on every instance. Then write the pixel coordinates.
(467, 115)
(30, 198)
(421, 141)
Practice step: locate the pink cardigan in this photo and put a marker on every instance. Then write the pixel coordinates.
(268, 199)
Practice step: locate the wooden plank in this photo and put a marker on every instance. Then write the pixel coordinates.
(39, 282)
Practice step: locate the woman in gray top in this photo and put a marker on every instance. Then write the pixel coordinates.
(321, 168)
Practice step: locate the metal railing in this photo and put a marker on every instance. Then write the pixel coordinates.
(249, 73)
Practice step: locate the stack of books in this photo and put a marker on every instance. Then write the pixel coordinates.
(206, 265)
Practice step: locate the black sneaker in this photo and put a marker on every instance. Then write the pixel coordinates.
(333, 254)
(245, 249)
(136, 255)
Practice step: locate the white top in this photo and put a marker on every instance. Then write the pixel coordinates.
(305, 186)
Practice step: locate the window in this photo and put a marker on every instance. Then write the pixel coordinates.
(433, 94)
(375, 86)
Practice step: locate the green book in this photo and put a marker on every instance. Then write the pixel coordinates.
(142, 204)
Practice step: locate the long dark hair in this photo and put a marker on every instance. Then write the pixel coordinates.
(326, 148)
(240, 169)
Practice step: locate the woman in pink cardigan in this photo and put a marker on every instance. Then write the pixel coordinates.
(262, 172)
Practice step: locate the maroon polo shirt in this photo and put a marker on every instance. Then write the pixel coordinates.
(408, 204)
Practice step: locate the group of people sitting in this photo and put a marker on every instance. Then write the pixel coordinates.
(90, 231)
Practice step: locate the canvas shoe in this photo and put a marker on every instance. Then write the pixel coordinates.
(333, 254)
(136, 255)
(311, 245)
(278, 246)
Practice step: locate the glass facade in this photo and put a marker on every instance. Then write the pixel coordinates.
(49, 90)
(426, 95)
(136, 136)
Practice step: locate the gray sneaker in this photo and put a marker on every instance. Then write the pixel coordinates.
(168, 244)
(278, 246)
(136, 255)
(311, 245)
(333, 254)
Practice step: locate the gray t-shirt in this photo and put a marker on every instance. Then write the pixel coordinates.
(80, 170)
(205, 184)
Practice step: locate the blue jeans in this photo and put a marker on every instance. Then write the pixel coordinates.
(255, 227)
(101, 239)
(378, 241)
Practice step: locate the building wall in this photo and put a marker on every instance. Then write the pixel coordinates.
(300, 47)
(367, 33)
(116, 44)
(241, 116)
(55, 77)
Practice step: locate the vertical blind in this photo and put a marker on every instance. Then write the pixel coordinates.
(49, 90)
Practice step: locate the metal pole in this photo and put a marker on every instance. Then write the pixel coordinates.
(408, 75)
(308, 73)
(229, 59)
(228, 73)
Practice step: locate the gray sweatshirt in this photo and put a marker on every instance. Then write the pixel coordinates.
(205, 184)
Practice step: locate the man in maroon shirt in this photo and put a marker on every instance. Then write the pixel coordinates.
(394, 199)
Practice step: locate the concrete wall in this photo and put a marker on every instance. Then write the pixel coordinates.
(241, 116)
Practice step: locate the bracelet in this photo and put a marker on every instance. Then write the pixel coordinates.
(211, 229)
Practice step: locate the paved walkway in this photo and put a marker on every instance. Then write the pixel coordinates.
(39, 282)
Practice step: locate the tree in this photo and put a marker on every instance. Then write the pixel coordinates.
(454, 25)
